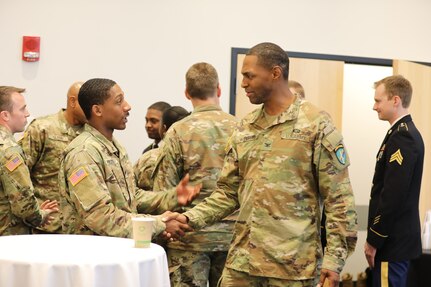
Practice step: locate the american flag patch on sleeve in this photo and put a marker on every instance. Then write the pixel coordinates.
(77, 176)
(13, 163)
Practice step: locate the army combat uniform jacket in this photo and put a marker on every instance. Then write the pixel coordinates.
(275, 173)
(144, 168)
(17, 200)
(98, 191)
(43, 143)
(196, 145)
(393, 220)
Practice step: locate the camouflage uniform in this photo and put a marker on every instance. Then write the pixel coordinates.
(196, 145)
(43, 143)
(98, 191)
(275, 172)
(17, 201)
(144, 168)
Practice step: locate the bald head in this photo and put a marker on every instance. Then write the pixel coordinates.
(74, 90)
(74, 114)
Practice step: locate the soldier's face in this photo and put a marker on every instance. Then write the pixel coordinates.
(152, 123)
(115, 109)
(19, 114)
(256, 81)
(385, 108)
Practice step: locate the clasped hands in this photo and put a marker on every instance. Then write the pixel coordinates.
(176, 225)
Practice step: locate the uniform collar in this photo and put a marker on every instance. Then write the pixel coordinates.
(398, 121)
(291, 113)
(113, 146)
(206, 108)
(5, 132)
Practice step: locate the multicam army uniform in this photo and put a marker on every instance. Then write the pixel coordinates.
(98, 191)
(196, 145)
(17, 201)
(144, 168)
(43, 143)
(275, 173)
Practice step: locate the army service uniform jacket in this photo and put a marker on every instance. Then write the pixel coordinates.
(197, 145)
(17, 201)
(393, 219)
(275, 172)
(98, 191)
(43, 143)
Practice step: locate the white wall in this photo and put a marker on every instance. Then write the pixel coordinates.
(363, 134)
(146, 46)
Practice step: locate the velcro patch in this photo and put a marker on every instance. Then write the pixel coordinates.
(397, 156)
(14, 163)
(77, 176)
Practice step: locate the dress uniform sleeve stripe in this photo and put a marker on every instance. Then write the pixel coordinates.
(378, 233)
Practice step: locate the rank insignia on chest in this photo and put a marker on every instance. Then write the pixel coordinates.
(13, 163)
(267, 145)
(340, 153)
(397, 156)
(77, 176)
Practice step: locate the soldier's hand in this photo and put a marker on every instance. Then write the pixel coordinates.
(370, 254)
(328, 278)
(186, 193)
(176, 225)
(49, 206)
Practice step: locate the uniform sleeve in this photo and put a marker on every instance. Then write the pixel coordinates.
(17, 185)
(32, 144)
(169, 168)
(156, 202)
(399, 169)
(224, 200)
(143, 170)
(88, 193)
(331, 162)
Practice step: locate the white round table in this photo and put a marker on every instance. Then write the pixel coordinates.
(80, 261)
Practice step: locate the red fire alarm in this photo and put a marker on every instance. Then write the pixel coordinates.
(30, 48)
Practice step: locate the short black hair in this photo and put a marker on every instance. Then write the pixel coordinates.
(94, 92)
(172, 115)
(270, 55)
(160, 106)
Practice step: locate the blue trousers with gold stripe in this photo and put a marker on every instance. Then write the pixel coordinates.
(390, 274)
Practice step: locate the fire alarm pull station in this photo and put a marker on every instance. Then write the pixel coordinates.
(30, 48)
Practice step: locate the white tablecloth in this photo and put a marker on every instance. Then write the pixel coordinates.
(80, 261)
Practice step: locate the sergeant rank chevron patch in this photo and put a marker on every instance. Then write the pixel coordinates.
(397, 156)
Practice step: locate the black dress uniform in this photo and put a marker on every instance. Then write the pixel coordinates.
(393, 217)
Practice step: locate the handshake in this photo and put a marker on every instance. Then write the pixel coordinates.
(176, 225)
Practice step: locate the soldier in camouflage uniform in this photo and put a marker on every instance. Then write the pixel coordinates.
(97, 187)
(43, 143)
(280, 160)
(196, 145)
(18, 206)
(145, 165)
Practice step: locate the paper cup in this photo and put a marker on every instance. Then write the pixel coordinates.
(142, 231)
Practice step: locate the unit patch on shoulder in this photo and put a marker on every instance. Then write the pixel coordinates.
(340, 153)
(397, 156)
(77, 176)
(13, 163)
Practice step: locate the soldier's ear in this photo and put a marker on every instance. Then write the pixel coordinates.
(5, 116)
(397, 100)
(277, 72)
(97, 110)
